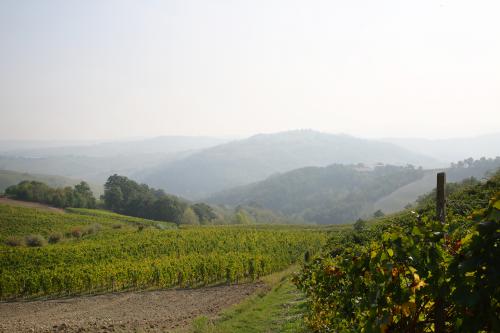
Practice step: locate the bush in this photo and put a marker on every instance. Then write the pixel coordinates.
(35, 240)
(14, 241)
(94, 228)
(76, 232)
(55, 238)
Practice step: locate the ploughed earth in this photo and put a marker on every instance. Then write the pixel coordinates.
(147, 311)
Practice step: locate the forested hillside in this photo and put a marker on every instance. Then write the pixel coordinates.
(333, 194)
(253, 159)
(457, 172)
(342, 194)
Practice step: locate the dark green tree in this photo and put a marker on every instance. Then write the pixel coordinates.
(378, 213)
(204, 212)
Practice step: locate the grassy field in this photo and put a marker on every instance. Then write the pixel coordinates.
(279, 309)
(22, 221)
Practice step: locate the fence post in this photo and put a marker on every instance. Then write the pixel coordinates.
(441, 197)
(439, 314)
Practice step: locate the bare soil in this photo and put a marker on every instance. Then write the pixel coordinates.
(19, 203)
(148, 311)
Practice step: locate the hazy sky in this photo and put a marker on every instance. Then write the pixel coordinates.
(111, 69)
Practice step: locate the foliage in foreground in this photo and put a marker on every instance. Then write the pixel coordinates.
(412, 274)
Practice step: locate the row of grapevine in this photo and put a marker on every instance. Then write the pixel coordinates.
(153, 258)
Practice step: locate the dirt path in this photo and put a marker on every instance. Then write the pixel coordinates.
(19, 203)
(149, 311)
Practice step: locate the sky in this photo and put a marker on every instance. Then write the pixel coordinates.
(107, 69)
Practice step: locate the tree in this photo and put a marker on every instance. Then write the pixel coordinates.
(58, 198)
(360, 225)
(241, 217)
(378, 214)
(189, 217)
(204, 212)
(84, 196)
(168, 209)
(113, 198)
(128, 197)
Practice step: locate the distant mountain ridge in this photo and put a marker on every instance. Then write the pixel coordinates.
(256, 158)
(156, 145)
(455, 149)
(95, 162)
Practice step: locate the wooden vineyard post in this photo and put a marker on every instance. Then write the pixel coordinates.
(441, 198)
(439, 314)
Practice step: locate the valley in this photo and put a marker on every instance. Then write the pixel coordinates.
(125, 256)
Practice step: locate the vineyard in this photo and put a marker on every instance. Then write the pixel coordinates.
(409, 272)
(125, 253)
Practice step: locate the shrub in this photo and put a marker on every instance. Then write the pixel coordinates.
(55, 237)
(94, 228)
(35, 240)
(14, 241)
(76, 232)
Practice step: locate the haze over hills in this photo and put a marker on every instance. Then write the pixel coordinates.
(157, 145)
(7, 146)
(9, 178)
(245, 161)
(95, 162)
(91, 169)
(197, 167)
(450, 150)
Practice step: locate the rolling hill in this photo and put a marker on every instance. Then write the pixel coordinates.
(332, 194)
(95, 162)
(342, 193)
(407, 194)
(256, 158)
(156, 145)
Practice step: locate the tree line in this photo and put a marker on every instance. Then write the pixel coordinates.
(79, 196)
(125, 196)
